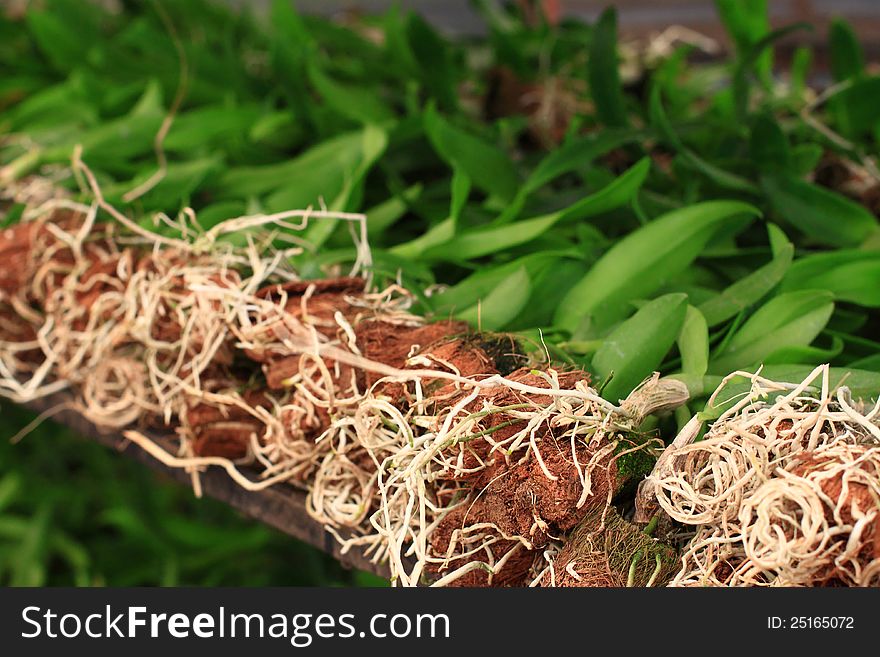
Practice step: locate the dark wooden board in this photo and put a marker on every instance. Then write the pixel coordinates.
(282, 507)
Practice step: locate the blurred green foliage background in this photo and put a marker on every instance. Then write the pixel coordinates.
(73, 513)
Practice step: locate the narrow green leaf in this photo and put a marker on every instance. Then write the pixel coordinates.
(747, 21)
(210, 127)
(63, 47)
(719, 176)
(789, 320)
(768, 145)
(384, 215)
(851, 275)
(373, 143)
(435, 237)
(748, 290)
(750, 60)
(821, 213)
(806, 354)
(578, 153)
(434, 60)
(173, 189)
(643, 261)
(501, 305)
(633, 350)
(571, 156)
(484, 241)
(603, 71)
(863, 384)
(549, 286)
(488, 167)
(847, 58)
(354, 103)
(444, 231)
(799, 72)
(291, 43)
(871, 363)
(461, 189)
(857, 107)
(805, 158)
(479, 284)
(10, 486)
(319, 172)
(693, 343)
(30, 566)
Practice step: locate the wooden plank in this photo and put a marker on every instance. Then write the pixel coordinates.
(282, 506)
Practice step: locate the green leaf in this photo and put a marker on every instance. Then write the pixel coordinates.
(501, 305)
(577, 153)
(110, 143)
(847, 58)
(805, 158)
(319, 172)
(824, 215)
(206, 127)
(693, 343)
(277, 129)
(434, 61)
(211, 215)
(436, 237)
(373, 143)
(356, 103)
(747, 21)
(789, 320)
(768, 145)
(173, 190)
(643, 261)
(461, 190)
(480, 283)
(549, 286)
(444, 231)
(857, 107)
(851, 275)
(863, 384)
(806, 354)
(291, 43)
(488, 167)
(484, 241)
(603, 71)
(30, 568)
(571, 156)
(384, 215)
(10, 486)
(871, 363)
(751, 59)
(749, 289)
(396, 43)
(633, 350)
(801, 61)
(64, 47)
(719, 176)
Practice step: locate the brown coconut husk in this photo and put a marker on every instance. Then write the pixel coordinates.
(783, 490)
(607, 551)
(399, 429)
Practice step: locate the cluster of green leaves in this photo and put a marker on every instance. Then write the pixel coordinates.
(72, 513)
(676, 227)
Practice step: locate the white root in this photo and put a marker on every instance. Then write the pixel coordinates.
(145, 347)
(780, 491)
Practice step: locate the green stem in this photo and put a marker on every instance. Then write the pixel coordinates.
(631, 576)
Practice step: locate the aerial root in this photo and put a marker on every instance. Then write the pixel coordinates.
(397, 429)
(782, 490)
